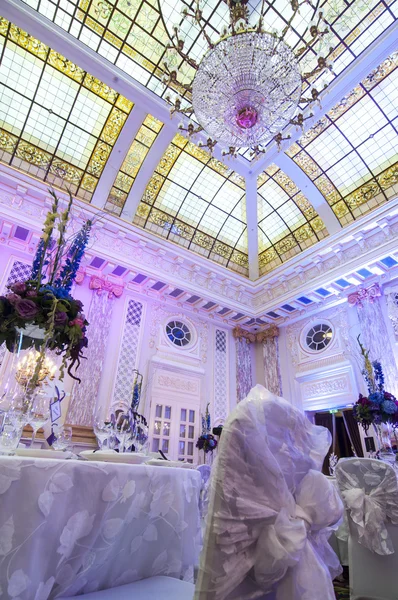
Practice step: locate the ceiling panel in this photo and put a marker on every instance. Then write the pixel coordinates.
(351, 154)
(288, 223)
(57, 122)
(197, 202)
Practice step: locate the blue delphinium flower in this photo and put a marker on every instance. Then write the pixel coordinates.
(68, 272)
(376, 397)
(389, 407)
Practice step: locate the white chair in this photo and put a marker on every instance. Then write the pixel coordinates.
(270, 508)
(271, 512)
(369, 491)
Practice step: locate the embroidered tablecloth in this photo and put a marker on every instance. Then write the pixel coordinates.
(70, 527)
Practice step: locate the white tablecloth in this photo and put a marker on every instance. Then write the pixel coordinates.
(68, 526)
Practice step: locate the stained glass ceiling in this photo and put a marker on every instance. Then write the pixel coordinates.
(132, 34)
(197, 202)
(60, 124)
(351, 154)
(57, 122)
(288, 223)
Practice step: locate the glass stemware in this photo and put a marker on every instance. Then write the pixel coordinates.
(63, 438)
(39, 413)
(9, 437)
(101, 431)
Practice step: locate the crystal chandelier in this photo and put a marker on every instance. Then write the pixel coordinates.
(26, 368)
(248, 85)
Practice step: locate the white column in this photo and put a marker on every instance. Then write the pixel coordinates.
(252, 226)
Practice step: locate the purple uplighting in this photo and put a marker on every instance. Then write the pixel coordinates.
(139, 278)
(21, 233)
(97, 262)
(119, 271)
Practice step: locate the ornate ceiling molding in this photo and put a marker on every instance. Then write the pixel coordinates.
(23, 201)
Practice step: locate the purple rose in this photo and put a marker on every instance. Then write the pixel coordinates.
(60, 319)
(13, 298)
(26, 309)
(19, 287)
(31, 294)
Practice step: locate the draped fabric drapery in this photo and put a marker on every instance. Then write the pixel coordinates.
(272, 375)
(353, 431)
(84, 395)
(244, 381)
(375, 338)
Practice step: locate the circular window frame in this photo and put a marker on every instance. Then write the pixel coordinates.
(306, 330)
(185, 322)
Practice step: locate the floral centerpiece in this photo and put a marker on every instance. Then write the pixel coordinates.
(206, 442)
(41, 310)
(379, 406)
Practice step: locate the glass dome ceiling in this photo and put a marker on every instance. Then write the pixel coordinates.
(62, 125)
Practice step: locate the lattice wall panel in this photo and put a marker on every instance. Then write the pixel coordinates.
(128, 356)
(220, 377)
(19, 272)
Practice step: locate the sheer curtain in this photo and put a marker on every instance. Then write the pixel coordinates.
(244, 381)
(272, 375)
(84, 395)
(374, 336)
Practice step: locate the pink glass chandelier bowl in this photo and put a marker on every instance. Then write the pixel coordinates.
(246, 118)
(246, 89)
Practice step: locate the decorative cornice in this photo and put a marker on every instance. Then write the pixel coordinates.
(23, 202)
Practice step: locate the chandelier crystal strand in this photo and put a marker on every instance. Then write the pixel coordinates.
(246, 89)
(248, 85)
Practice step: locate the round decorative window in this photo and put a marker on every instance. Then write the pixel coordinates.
(319, 336)
(178, 333)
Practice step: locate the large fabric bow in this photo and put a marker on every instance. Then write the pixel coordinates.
(369, 513)
(294, 546)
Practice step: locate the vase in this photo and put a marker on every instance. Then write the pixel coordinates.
(383, 438)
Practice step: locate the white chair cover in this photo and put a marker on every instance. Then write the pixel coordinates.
(370, 492)
(271, 509)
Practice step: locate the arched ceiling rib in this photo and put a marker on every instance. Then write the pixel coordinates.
(116, 157)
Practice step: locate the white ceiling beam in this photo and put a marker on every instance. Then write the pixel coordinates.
(117, 156)
(252, 227)
(360, 68)
(55, 37)
(310, 190)
(145, 173)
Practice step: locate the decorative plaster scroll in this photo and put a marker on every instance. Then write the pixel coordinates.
(303, 360)
(259, 336)
(99, 284)
(178, 384)
(80, 275)
(326, 387)
(220, 408)
(364, 295)
(128, 357)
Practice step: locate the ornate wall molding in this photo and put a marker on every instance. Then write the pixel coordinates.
(258, 337)
(24, 201)
(326, 387)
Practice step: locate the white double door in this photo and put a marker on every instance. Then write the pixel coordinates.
(174, 429)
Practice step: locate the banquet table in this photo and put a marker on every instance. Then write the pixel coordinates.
(69, 527)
